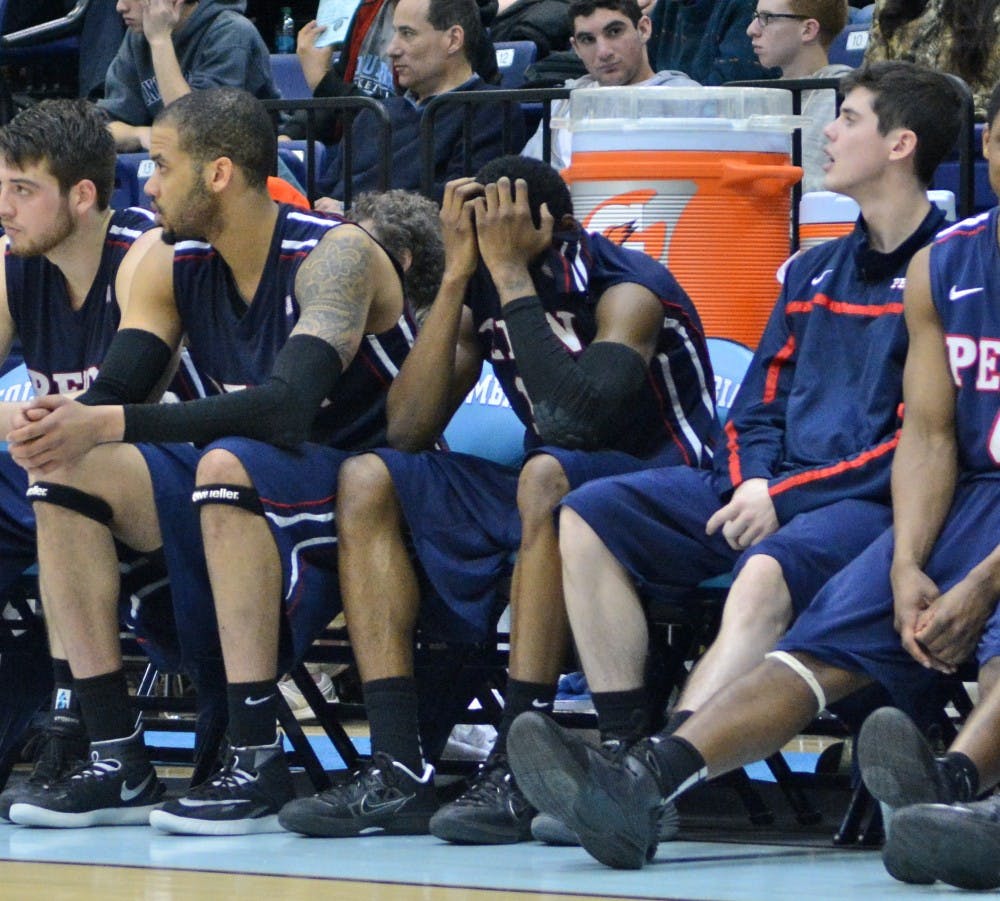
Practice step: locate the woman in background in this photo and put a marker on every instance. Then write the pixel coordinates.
(957, 36)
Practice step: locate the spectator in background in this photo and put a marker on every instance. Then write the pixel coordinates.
(363, 67)
(705, 39)
(957, 36)
(794, 36)
(610, 37)
(407, 225)
(173, 47)
(543, 22)
(431, 54)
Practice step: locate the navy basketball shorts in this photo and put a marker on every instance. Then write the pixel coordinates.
(298, 491)
(653, 523)
(464, 527)
(17, 523)
(172, 468)
(850, 624)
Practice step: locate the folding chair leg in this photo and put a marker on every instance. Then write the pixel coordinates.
(307, 756)
(326, 717)
(757, 810)
(804, 812)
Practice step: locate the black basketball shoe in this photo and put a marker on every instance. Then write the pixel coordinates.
(610, 797)
(956, 843)
(385, 797)
(118, 787)
(56, 751)
(899, 768)
(492, 811)
(243, 798)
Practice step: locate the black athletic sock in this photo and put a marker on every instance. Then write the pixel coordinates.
(681, 764)
(65, 707)
(104, 706)
(676, 719)
(520, 698)
(622, 715)
(253, 711)
(392, 718)
(961, 774)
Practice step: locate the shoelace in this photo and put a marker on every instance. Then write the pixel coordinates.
(491, 779)
(97, 768)
(232, 777)
(378, 776)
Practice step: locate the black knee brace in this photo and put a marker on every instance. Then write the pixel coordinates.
(243, 496)
(89, 505)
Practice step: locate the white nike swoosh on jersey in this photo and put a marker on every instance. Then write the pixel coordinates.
(956, 294)
(540, 705)
(130, 794)
(821, 276)
(253, 702)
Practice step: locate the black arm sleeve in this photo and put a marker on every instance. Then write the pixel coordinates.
(280, 411)
(582, 403)
(132, 368)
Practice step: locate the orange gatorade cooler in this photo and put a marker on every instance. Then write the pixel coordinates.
(698, 178)
(824, 215)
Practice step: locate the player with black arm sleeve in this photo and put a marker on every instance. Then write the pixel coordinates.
(296, 324)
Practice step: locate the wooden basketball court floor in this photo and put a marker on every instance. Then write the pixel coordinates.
(112, 863)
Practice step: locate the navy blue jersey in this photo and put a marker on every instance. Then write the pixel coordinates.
(964, 267)
(63, 347)
(818, 412)
(233, 345)
(678, 403)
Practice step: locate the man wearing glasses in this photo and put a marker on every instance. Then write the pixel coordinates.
(705, 39)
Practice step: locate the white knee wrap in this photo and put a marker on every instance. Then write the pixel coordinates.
(800, 669)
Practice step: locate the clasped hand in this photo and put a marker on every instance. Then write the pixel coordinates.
(50, 432)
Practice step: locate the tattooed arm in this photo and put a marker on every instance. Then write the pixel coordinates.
(335, 288)
(335, 285)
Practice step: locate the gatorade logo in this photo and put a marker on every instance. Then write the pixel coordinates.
(622, 219)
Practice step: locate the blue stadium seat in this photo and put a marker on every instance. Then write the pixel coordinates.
(15, 385)
(485, 425)
(513, 58)
(293, 154)
(947, 176)
(730, 360)
(132, 171)
(288, 77)
(849, 46)
(860, 15)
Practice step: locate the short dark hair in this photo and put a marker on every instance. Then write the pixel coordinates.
(405, 220)
(225, 122)
(909, 96)
(71, 137)
(442, 14)
(545, 184)
(583, 8)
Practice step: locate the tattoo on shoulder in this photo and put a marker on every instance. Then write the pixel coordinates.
(334, 289)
